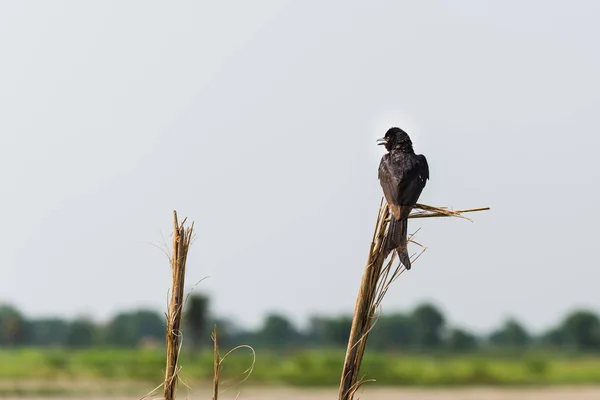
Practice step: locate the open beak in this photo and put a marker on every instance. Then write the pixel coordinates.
(382, 140)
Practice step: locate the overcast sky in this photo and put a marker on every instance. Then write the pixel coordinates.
(257, 120)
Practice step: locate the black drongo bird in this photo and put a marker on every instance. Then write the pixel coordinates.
(402, 175)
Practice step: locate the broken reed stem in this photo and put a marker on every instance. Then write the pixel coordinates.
(434, 212)
(216, 364)
(376, 280)
(181, 242)
(363, 310)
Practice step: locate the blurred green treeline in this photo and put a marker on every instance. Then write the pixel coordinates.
(423, 329)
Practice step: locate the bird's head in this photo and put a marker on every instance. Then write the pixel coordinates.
(396, 139)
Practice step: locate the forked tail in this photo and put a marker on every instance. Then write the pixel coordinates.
(397, 238)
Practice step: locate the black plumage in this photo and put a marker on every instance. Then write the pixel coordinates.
(402, 175)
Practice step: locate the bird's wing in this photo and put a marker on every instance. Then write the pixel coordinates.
(413, 182)
(390, 180)
(423, 168)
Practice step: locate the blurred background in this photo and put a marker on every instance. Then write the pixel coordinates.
(258, 120)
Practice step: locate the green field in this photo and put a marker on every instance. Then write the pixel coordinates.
(302, 368)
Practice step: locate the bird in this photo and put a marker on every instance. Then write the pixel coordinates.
(402, 175)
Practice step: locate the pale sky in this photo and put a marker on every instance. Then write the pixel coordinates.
(257, 120)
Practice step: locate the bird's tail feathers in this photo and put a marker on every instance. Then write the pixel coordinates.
(397, 238)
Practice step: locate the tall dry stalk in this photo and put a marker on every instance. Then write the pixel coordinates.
(181, 243)
(376, 280)
(216, 364)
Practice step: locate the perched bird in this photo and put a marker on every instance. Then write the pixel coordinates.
(402, 175)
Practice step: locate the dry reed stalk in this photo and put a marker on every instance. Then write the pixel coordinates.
(434, 212)
(181, 242)
(218, 361)
(376, 280)
(216, 364)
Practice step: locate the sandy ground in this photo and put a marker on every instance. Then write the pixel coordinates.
(562, 393)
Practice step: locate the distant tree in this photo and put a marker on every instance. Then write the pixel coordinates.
(13, 327)
(129, 328)
(277, 331)
(81, 333)
(330, 331)
(554, 337)
(461, 341)
(196, 320)
(48, 332)
(582, 330)
(428, 325)
(393, 331)
(511, 334)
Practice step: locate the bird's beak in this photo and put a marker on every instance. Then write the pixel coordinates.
(382, 140)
